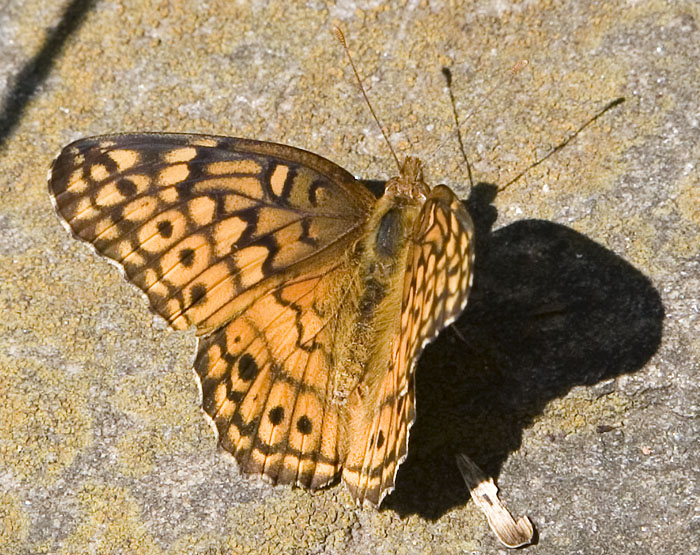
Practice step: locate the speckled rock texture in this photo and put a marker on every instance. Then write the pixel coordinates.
(572, 377)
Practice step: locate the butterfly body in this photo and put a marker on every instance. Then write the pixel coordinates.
(380, 258)
(311, 298)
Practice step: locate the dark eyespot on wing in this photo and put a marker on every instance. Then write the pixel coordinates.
(276, 415)
(247, 367)
(304, 425)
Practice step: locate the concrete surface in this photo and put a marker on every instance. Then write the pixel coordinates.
(576, 381)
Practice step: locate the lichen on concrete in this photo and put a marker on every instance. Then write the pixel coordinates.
(572, 376)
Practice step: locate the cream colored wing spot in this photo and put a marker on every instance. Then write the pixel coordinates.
(238, 203)
(85, 210)
(233, 167)
(455, 282)
(105, 144)
(125, 248)
(226, 234)
(278, 179)
(440, 281)
(140, 209)
(118, 191)
(159, 233)
(109, 195)
(77, 183)
(202, 211)
(184, 154)
(140, 181)
(248, 186)
(105, 229)
(188, 259)
(172, 175)
(169, 195)
(203, 141)
(124, 159)
(154, 284)
(98, 172)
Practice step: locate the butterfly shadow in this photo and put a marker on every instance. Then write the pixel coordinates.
(550, 309)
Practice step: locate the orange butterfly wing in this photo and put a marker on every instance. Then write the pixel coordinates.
(268, 376)
(246, 241)
(436, 286)
(203, 225)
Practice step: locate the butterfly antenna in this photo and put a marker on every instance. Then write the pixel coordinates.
(514, 70)
(448, 77)
(341, 39)
(565, 142)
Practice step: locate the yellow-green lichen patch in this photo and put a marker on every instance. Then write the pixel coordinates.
(640, 241)
(463, 529)
(209, 543)
(689, 201)
(168, 419)
(578, 412)
(139, 450)
(298, 522)
(111, 523)
(44, 422)
(294, 522)
(14, 523)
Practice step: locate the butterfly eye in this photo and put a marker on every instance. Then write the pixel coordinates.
(388, 236)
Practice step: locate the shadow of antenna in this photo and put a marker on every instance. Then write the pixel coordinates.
(565, 142)
(36, 70)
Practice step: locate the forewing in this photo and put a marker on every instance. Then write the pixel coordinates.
(435, 289)
(204, 225)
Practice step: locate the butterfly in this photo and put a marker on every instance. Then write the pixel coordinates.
(312, 298)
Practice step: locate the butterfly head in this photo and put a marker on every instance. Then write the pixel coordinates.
(409, 183)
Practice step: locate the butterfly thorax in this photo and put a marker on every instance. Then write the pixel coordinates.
(409, 183)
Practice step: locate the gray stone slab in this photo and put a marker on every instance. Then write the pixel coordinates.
(573, 378)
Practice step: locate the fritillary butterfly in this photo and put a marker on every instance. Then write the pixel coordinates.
(312, 299)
